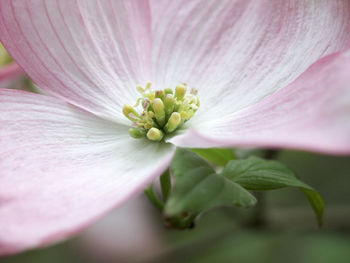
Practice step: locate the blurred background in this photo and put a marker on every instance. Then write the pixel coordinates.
(282, 228)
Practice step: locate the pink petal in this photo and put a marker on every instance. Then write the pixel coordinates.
(9, 73)
(63, 168)
(90, 53)
(312, 113)
(235, 52)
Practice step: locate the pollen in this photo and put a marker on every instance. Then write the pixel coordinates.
(158, 113)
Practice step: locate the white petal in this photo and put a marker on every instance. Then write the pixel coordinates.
(90, 53)
(235, 52)
(62, 168)
(312, 113)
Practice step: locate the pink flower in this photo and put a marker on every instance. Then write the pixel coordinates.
(270, 73)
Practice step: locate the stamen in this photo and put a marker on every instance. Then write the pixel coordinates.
(163, 111)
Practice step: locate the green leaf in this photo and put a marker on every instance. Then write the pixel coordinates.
(198, 187)
(218, 156)
(259, 174)
(185, 161)
(316, 202)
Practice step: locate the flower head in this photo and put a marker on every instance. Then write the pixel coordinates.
(162, 111)
(269, 74)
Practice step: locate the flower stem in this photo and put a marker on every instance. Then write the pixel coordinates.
(152, 196)
(259, 219)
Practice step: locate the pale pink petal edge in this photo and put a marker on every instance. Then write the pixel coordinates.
(322, 128)
(6, 250)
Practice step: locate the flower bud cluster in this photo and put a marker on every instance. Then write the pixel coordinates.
(163, 111)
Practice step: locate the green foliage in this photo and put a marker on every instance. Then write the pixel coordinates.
(198, 187)
(218, 156)
(259, 174)
(316, 202)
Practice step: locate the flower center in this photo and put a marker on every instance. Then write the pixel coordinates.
(163, 111)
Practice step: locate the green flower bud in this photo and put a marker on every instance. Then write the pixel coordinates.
(140, 89)
(137, 133)
(155, 134)
(130, 113)
(159, 111)
(169, 91)
(160, 94)
(173, 122)
(169, 104)
(180, 91)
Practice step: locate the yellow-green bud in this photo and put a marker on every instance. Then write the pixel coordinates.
(137, 133)
(163, 111)
(159, 111)
(140, 89)
(151, 96)
(148, 86)
(173, 122)
(155, 134)
(180, 91)
(160, 94)
(169, 104)
(186, 115)
(130, 112)
(168, 91)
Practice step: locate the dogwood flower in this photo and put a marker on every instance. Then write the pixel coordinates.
(269, 73)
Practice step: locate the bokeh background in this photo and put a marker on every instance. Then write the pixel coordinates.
(282, 228)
